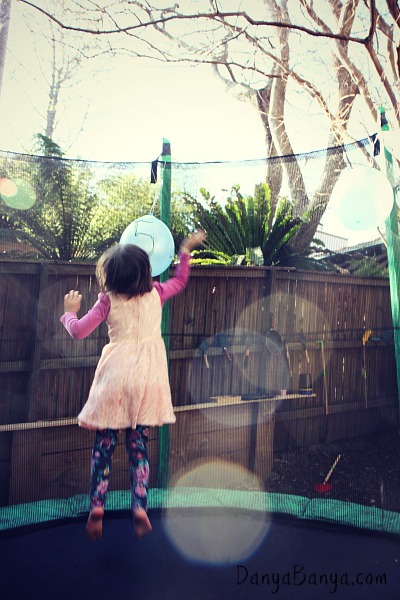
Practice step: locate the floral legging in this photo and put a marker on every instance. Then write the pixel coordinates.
(136, 448)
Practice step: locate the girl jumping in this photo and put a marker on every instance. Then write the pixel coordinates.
(131, 388)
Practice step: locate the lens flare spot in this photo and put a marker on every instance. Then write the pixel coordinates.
(218, 534)
(362, 198)
(17, 194)
(7, 187)
(232, 366)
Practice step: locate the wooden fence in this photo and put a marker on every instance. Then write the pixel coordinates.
(217, 349)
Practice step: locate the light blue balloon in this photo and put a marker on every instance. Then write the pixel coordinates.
(154, 237)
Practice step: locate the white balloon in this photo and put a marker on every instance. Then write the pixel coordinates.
(154, 237)
(362, 198)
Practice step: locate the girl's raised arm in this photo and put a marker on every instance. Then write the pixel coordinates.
(177, 284)
(81, 328)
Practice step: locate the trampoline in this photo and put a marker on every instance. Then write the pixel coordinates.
(238, 404)
(294, 560)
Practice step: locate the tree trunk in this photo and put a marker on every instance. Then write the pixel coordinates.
(5, 15)
(52, 107)
(273, 174)
(277, 116)
(334, 162)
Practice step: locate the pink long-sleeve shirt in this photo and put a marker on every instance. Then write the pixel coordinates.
(81, 328)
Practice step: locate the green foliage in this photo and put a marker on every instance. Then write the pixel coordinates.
(213, 257)
(367, 267)
(75, 215)
(78, 214)
(249, 231)
(121, 199)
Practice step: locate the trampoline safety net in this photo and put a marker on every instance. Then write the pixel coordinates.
(282, 348)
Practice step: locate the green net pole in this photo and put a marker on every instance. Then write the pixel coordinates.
(165, 216)
(393, 253)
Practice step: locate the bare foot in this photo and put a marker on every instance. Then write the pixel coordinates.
(94, 525)
(141, 523)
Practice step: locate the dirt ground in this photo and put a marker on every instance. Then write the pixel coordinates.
(367, 473)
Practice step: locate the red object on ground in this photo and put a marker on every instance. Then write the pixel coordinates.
(324, 487)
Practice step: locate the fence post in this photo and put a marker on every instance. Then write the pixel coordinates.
(165, 216)
(34, 410)
(393, 252)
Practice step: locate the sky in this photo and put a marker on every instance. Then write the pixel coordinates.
(124, 110)
(126, 106)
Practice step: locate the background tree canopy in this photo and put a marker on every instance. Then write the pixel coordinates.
(76, 213)
(340, 57)
(331, 63)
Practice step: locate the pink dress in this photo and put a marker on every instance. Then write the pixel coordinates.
(131, 384)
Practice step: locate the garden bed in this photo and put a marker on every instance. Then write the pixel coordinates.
(367, 473)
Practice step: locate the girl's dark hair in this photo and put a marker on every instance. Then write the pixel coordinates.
(124, 269)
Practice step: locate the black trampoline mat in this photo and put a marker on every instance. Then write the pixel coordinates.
(296, 560)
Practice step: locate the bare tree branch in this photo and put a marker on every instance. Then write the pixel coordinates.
(394, 10)
(211, 16)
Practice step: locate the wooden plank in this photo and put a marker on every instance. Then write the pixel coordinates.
(59, 463)
(68, 362)
(19, 268)
(13, 398)
(25, 467)
(201, 435)
(34, 408)
(5, 463)
(264, 443)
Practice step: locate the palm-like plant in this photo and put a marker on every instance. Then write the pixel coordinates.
(58, 224)
(249, 230)
(74, 216)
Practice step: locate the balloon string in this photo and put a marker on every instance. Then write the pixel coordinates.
(153, 205)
